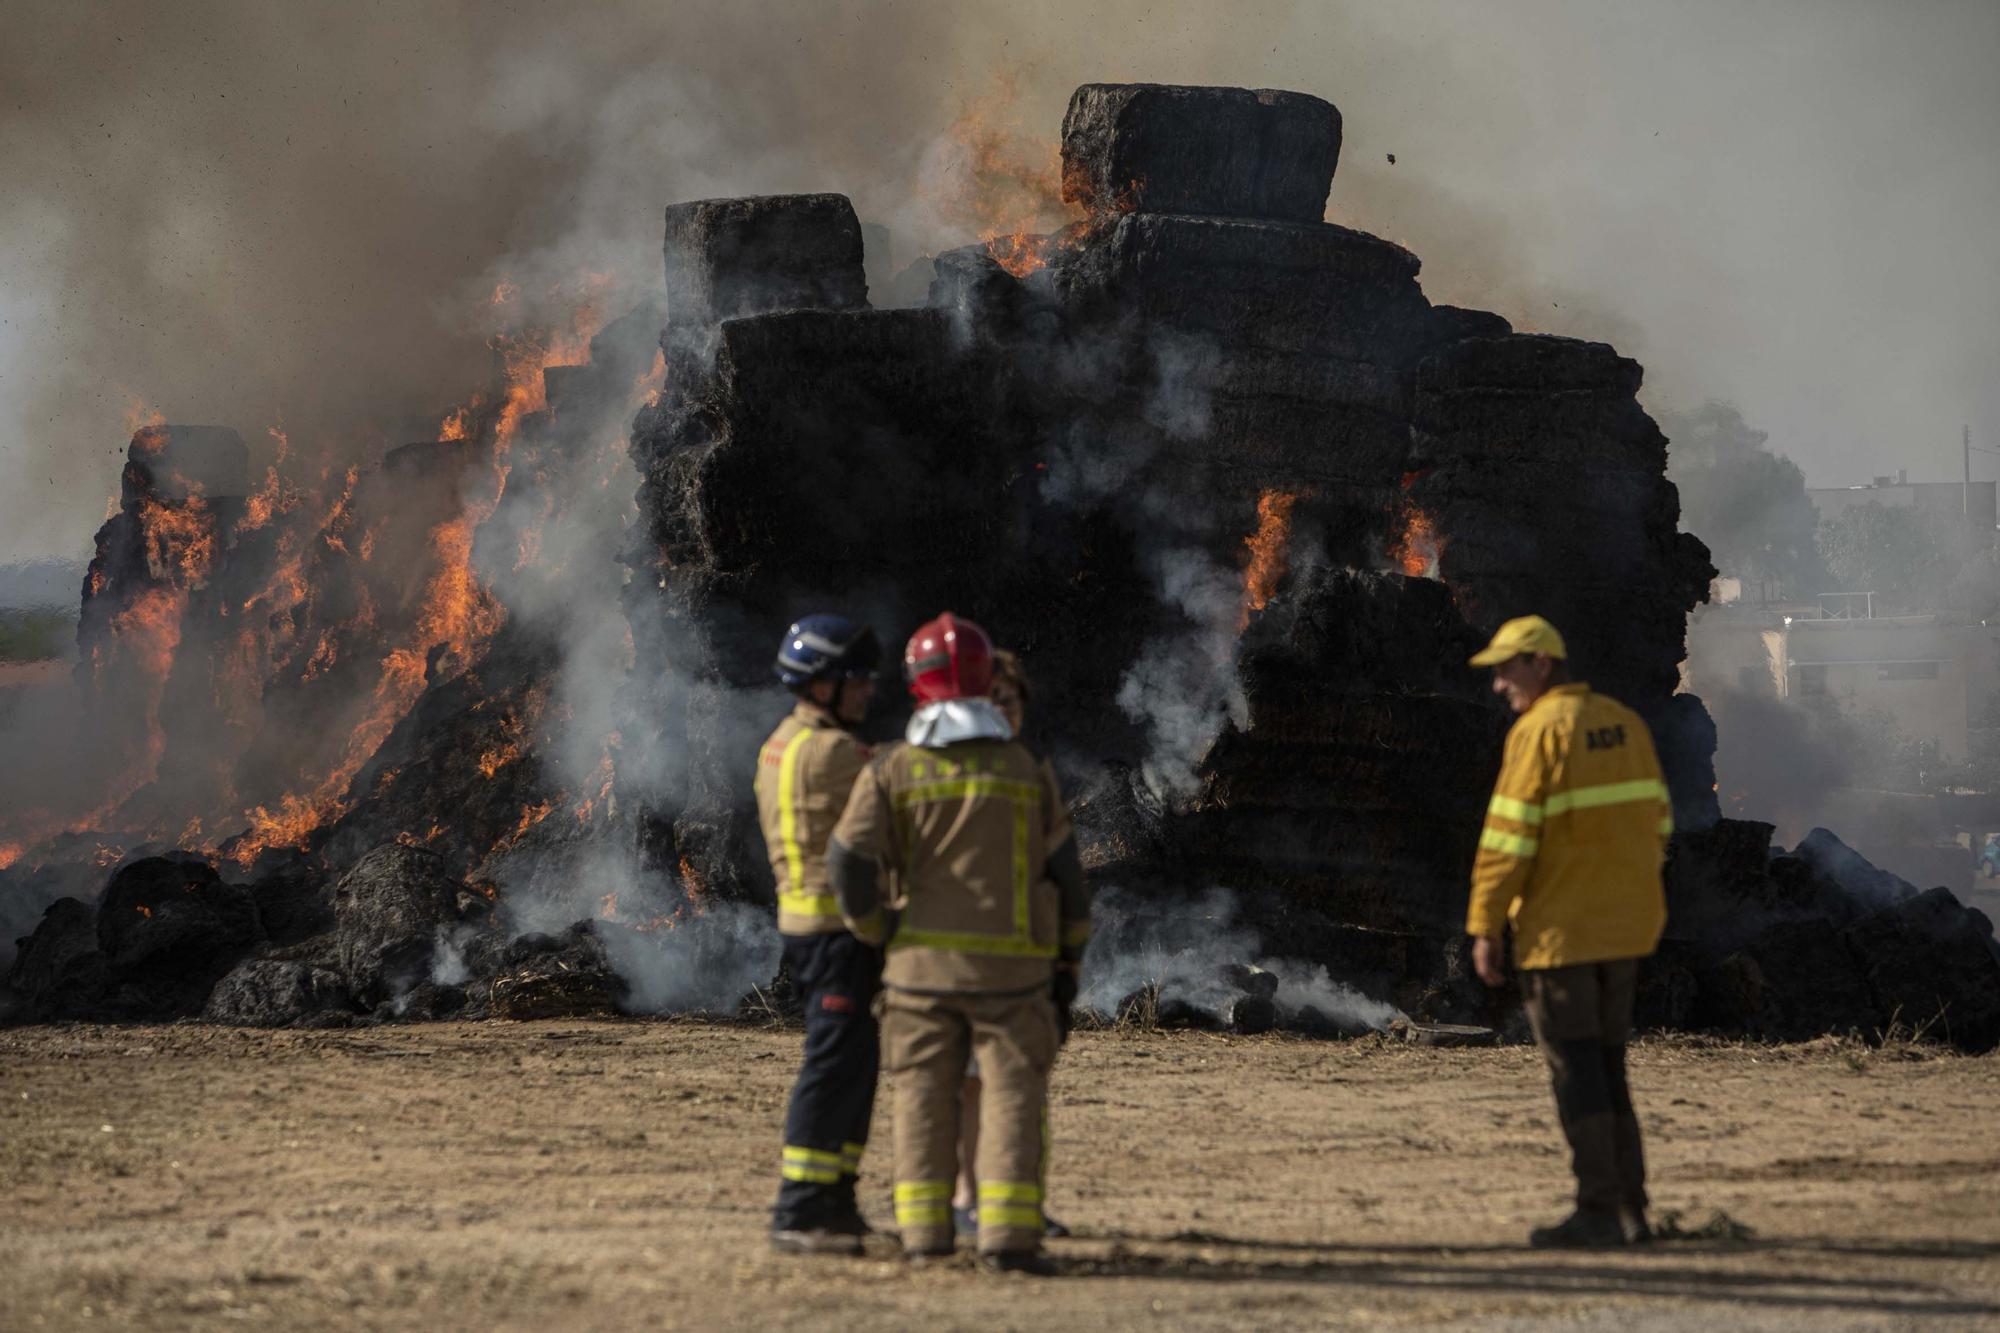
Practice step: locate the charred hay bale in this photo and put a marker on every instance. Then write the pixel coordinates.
(169, 929)
(175, 463)
(1350, 631)
(390, 911)
(843, 438)
(1165, 148)
(968, 281)
(58, 972)
(1526, 364)
(294, 901)
(274, 993)
(731, 257)
(1450, 324)
(1790, 981)
(557, 976)
(1840, 872)
(1932, 966)
(1318, 288)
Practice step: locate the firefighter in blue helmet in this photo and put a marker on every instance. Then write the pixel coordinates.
(804, 773)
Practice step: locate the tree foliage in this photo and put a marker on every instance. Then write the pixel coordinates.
(1748, 504)
(1892, 551)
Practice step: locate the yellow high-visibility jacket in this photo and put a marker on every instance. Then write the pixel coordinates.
(1574, 835)
(804, 773)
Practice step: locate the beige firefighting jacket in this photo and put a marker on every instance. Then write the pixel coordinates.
(804, 773)
(965, 831)
(1574, 835)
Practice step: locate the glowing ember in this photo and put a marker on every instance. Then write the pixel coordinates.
(143, 910)
(1417, 547)
(1268, 555)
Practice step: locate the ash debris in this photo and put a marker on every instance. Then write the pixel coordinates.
(1241, 497)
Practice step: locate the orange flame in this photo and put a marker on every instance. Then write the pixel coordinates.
(1268, 553)
(10, 852)
(996, 177)
(1417, 547)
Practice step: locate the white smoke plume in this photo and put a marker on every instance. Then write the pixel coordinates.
(1185, 948)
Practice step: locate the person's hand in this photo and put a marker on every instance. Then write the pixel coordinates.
(1488, 960)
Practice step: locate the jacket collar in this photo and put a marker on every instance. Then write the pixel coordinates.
(1574, 689)
(950, 721)
(817, 715)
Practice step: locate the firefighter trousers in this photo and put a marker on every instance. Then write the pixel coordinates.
(826, 1125)
(1582, 1015)
(926, 1042)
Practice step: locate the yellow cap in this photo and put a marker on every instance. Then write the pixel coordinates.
(1524, 634)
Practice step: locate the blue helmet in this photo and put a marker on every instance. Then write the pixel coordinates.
(827, 647)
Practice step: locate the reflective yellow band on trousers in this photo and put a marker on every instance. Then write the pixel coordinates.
(792, 896)
(1521, 812)
(1010, 1191)
(1666, 826)
(1020, 1216)
(923, 1203)
(1609, 793)
(811, 1165)
(1509, 844)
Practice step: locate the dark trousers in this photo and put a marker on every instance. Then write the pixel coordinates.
(826, 1126)
(1582, 1016)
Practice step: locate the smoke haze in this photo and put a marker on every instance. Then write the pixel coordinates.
(294, 214)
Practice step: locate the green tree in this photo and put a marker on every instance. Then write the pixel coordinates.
(1891, 551)
(1748, 504)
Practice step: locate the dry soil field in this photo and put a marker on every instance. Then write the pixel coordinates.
(616, 1175)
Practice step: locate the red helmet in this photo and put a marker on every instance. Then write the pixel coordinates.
(948, 658)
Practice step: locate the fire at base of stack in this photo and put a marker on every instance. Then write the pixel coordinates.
(468, 738)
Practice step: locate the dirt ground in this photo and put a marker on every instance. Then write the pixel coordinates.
(617, 1175)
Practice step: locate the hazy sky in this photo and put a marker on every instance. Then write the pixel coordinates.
(260, 214)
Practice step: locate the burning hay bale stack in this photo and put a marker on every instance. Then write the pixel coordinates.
(1202, 456)
(1240, 495)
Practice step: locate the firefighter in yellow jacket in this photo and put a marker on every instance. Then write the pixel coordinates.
(804, 773)
(1570, 856)
(984, 931)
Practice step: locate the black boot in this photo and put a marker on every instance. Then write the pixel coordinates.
(1582, 1230)
(844, 1213)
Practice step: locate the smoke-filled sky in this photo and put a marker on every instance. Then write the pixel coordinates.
(294, 214)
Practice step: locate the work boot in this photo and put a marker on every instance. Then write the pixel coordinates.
(844, 1213)
(1031, 1262)
(1581, 1230)
(818, 1240)
(1052, 1228)
(1632, 1221)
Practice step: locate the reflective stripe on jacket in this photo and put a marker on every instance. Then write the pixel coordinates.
(804, 773)
(965, 831)
(1574, 835)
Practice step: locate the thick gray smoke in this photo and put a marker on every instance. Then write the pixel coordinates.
(291, 213)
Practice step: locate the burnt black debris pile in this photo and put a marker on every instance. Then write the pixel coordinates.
(1240, 495)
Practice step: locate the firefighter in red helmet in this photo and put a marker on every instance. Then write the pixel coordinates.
(984, 931)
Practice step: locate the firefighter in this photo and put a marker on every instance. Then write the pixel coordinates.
(984, 936)
(1010, 693)
(804, 773)
(1570, 856)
